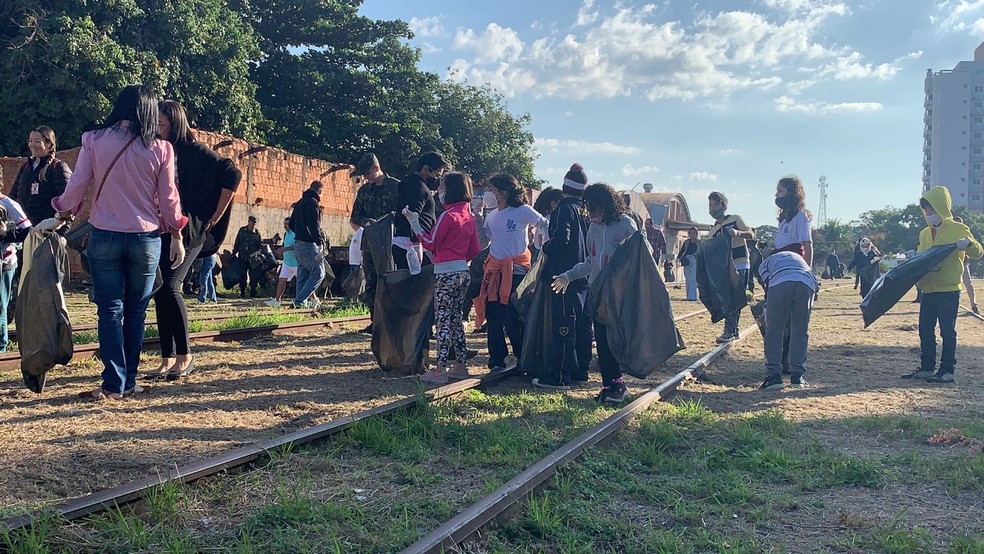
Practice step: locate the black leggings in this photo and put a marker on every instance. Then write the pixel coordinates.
(172, 315)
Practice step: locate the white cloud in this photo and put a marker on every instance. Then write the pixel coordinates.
(953, 15)
(557, 145)
(631, 171)
(618, 50)
(494, 44)
(427, 26)
(428, 48)
(703, 176)
(792, 105)
(586, 14)
(730, 151)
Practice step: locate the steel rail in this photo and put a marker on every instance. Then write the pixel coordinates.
(468, 522)
(12, 360)
(135, 490)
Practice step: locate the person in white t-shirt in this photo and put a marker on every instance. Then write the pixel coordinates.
(507, 263)
(794, 233)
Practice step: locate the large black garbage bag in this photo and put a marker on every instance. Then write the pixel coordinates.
(377, 238)
(532, 300)
(44, 333)
(630, 298)
(717, 279)
(355, 283)
(402, 320)
(892, 286)
(232, 271)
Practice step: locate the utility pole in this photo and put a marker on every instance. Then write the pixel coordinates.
(822, 211)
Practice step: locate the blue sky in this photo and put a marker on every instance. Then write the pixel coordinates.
(695, 96)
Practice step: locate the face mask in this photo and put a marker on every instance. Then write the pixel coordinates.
(594, 219)
(717, 214)
(490, 201)
(935, 220)
(432, 183)
(784, 202)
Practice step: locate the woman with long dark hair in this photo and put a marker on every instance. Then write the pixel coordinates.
(507, 264)
(206, 183)
(134, 199)
(687, 257)
(610, 225)
(42, 178)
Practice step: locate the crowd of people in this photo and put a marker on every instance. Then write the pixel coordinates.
(158, 200)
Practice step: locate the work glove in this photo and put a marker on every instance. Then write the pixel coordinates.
(177, 253)
(963, 243)
(50, 224)
(874, 261)
(560, 283)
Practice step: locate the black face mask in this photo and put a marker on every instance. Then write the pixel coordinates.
(784, 203)
(432, 183)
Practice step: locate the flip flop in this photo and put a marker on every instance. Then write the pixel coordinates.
(137, 389)
(174, 374)
(99, 394)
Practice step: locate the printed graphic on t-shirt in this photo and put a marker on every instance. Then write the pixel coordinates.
(35, 188)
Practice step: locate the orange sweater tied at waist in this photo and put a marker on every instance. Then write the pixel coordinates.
(496, 288)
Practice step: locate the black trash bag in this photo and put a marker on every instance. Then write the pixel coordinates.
(532, 300)
(632, 301)
(232, 272)
(668, 275)
(403, 316)
(262, 260)
(44, 332)
(355, 283)
(717, 279)
(377, 239)
(892, 286)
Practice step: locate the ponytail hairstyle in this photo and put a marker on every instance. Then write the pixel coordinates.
(602, 199)
(515, 193)
(48, 136)
(575, 181)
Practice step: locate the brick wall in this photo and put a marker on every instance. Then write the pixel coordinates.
(273, 179)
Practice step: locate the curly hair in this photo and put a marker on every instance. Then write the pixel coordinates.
(794, 189)
(602, 198)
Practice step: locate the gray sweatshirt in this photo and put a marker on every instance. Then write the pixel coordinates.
(603, 240)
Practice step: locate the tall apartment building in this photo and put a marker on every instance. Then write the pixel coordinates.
(953, 132)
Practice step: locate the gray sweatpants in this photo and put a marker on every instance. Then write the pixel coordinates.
(787, 303)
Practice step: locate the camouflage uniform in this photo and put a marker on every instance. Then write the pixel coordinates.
(371, 203)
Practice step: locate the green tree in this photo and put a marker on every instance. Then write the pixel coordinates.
(893, 230)
(63, 62)
(767, 232)
(834, 234)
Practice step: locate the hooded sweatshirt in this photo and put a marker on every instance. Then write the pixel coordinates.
(603, 240)
(946, 277)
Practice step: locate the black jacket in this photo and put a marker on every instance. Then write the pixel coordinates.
(202, 174)
(51, 175)
(305, 220)
(415, 194)
(565, 246)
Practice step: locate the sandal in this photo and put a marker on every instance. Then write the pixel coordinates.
(99, 394)
(176, 373)
(137, 389)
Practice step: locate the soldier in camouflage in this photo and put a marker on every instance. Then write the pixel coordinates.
(375, 199)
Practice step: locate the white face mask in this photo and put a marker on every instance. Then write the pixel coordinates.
(935, 220)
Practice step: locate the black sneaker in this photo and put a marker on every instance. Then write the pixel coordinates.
(772, 383)
(542, 383)
(367, 329)
(941, 378)
(614, 393)
(798, 382)
(918, 374)
(481, 330)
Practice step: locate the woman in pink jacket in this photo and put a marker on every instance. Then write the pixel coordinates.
(129, 175)
(452, 242)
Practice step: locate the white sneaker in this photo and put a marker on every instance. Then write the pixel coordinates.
(273, 303)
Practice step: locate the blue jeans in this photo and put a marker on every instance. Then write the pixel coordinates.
(941, 307)
(310, 269)
(123, 266)
(690, 276)
(207, 285)
(6, 284)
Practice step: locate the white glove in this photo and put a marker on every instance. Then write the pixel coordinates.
(963, 243)
(560, 283)
(875, 260)
(50, 224)
(412, 217)
(732, 232)
(177, 253)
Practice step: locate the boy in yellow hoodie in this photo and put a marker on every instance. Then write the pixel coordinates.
(941, 286)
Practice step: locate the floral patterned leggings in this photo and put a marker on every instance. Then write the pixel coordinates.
(450, 294)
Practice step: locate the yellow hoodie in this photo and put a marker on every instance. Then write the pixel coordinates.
(946, 277)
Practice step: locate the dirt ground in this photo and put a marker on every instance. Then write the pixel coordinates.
(58, 446)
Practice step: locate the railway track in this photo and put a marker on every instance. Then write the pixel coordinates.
(136, 490)
(12, 360)
(504, 500)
